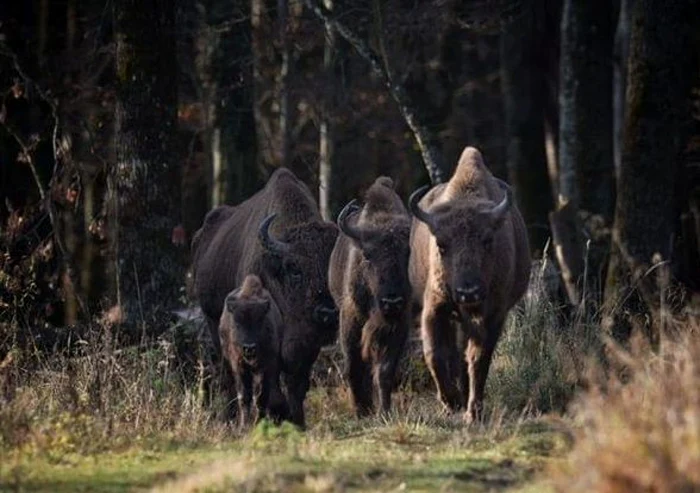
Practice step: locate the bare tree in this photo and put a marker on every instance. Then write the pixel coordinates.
(426, 140)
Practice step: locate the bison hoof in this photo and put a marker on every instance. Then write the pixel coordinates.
(473, 415)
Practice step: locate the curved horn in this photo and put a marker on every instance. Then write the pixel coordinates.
(502, 207)
(267, 241)
(503, 184)
(415, 209)
(350, 209)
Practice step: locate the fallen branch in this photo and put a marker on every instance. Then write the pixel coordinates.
(432, 156)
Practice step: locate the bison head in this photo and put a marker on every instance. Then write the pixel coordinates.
(243, 328)
(464, 230)
(384, 247)
(296, 273)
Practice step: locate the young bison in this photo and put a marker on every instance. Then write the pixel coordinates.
(250, 332)
(368, 279)
(470, 263)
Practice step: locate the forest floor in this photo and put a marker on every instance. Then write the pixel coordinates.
(418, 451)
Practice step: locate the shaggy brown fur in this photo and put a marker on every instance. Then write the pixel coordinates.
(250, 331)
(289, 253)
(469, 258)
(368, 276)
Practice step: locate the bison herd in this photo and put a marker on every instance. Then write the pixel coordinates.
(276, 283)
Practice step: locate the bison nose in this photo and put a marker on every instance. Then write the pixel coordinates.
(391, 303)
(325, 315)
(250, 351)
(392, 300)
(472, 294)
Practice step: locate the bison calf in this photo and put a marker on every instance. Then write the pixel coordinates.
(368, 279)
(470, 263)
(250, 332)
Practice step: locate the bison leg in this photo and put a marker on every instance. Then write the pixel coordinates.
(437, 335)
(479, 355)
(385, 367)
(359, 379)
(297, 386)
(356, 370)
(384, 374)
(245, 395)
(222, 379)
(272, 402)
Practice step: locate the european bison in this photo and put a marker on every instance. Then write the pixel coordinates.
(470, 261)
(368, 277)
(250, 332)
(278, 235)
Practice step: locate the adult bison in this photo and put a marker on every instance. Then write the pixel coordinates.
(470, 263)
(278, 235)
(368, 278)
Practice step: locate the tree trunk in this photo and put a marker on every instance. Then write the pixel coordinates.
(283, 157)
(261, 48)
(622, 45)
(585, 123)
(145, 179)
(234, 113)
(325, 151)
(661, 71)
(586, 169)
(524, 93)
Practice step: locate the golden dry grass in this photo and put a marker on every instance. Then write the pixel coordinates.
(643, 434)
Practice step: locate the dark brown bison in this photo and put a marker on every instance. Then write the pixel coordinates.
(278, 235)
(470, 261)
(368, 277)
(250, 332)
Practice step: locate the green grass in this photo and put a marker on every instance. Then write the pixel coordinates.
(418, 450)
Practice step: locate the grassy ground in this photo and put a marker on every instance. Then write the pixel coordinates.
(417, 451)
(137, 419)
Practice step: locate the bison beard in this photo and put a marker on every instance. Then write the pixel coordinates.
(278, 235)
(368, 276)
(470, 263)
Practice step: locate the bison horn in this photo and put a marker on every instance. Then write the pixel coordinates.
(501, 208)
(350, 209)
(267, 241)
(420, 214)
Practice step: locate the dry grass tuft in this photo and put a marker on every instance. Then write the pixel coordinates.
(102, 398)
(642, 435)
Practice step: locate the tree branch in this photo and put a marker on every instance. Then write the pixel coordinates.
(27, 150)
(432, 155)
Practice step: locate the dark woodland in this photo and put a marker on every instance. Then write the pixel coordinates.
(123, 123)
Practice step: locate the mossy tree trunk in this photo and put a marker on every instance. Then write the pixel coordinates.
(661, 70)
(586, 166)
(523, 85)
(145, 180)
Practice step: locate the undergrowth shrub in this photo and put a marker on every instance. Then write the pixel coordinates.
(540, 359)
(642, 435)
(102, 398)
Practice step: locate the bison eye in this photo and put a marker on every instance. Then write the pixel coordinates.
(294, 275)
